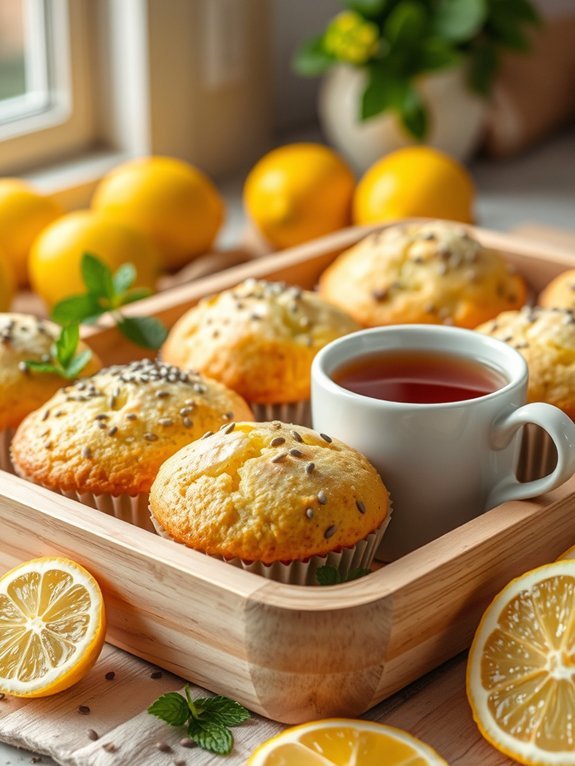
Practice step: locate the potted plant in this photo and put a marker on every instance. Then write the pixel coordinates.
(411, 71)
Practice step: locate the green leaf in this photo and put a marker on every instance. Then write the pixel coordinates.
(143, 331)
(459, 20)
(211, 736)
(435, 54)
(405, 26)
(222, 710)
(97, 277)
(384, 90)
(77, 308)
(508, 26)
(75, 367)
(171, 708)
(368, 8)
(31, 364)
(484, 63)
(124, 277)
(136, 294)
(66, 344)
(413, 113)
(312, 59)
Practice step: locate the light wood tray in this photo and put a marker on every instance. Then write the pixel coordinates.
(288, 652)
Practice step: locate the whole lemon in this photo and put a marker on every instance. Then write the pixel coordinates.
(23, 214)
(298, 192)
(7, 283)
(169, 200)
(56, 254)
(411, 182)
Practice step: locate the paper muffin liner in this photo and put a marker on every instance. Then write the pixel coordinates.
(6, 436)
(303, 572)
(538, 455)
(298, 413)
(130, 508)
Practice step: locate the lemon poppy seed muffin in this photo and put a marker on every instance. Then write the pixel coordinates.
(546, 339)
(26, 338)
(267, 495)
(433, 272)
(560, 292)
(103, 439)
(260, 339)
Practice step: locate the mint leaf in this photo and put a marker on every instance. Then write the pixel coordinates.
(77, 308)
(384, 90)
(124, 277)
(459, 20)
(66, 344)
(405, 25)
(211, 736)
(222, 710)
(144, 331)
(77, 364)
(97, 277)
(35, 366)
(135, 294)
(413, 113)
(312, 59)
(435, 54)
(171, 708)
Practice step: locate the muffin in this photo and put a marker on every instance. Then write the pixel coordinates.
(24, 337)
(259, 339)
(560, 292)
(546, 339)
(103, 439)
(269, 497)
(435, 273)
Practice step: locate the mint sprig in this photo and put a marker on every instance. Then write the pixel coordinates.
(108, 291)
(64, 359)
(208, 719)
(328, 575)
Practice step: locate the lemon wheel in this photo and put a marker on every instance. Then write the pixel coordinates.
(52, 626)
(345, 742)
(521, 669)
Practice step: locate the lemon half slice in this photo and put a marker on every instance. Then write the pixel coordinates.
(344, 742)
(521, 668)
(52, 626)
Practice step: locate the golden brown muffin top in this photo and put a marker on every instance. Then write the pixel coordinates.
(24, 337)
(546, 339)
(258, 338)
(434, 272)
(268, 492)
(110, 433)
(560, 292)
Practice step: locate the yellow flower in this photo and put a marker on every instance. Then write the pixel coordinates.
(351, 38)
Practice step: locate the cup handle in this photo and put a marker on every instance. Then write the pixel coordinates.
(562, 431)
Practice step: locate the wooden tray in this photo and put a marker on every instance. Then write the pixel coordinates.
(292, 653)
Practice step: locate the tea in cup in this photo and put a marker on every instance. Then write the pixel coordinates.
(439, 411)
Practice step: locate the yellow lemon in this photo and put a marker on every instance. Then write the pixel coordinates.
(417, 181)
(56, 254)
(23, 214)
(170, 201)
(53, 626)
(521, 668)
(344, 742)
(298, 192)
(6, 283)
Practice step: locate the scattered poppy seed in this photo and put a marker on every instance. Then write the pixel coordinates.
(109, 747)
(207, 434)
(187, 742)
(360, 506)
(162, 394)
(309, 513)
(326, 438)
(296, 436)
(46, 415)
(35, 759)
(87, 453)
(185, 411)
(329, 532)
(179, 763)
(166, 421)
(296, 452)
(321, 497)
(228, 429)
(102, 416)
(110, 675)
(83, 710)
(131, 416)
(163, 747)
(101, 425)
(150, 437)
(228, 415)
(277, 441)
(113, 431)
(2, 696)
(310, 467)
(279, 458)
(155, 674)
(187, 422)
(93, 735)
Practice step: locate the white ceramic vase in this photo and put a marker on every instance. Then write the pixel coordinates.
(456, 117)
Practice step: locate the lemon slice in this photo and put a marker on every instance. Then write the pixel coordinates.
(52, 626)
(521, 668)
(344, 742)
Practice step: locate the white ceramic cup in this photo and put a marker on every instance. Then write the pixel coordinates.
(443, 464)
